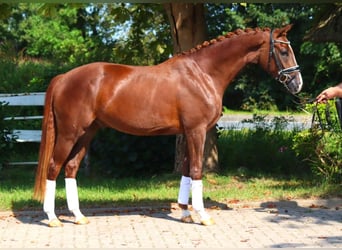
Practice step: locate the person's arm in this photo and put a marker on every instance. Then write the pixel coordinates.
(330, 93)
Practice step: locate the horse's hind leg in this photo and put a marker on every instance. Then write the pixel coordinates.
(65, 151)
(71, 169)
(61, 151)
(72, 192)
(49, 204)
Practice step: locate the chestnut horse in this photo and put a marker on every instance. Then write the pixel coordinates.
(182, 95)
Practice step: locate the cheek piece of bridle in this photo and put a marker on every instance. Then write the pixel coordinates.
(284, 76)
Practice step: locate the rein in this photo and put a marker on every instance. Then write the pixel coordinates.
(283, 73)
(325, 121)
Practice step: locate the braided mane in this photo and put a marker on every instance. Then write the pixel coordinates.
(220, 38)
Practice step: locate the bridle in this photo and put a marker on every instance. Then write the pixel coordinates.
(283, 73)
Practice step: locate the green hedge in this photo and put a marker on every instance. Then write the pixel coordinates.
(321, 146)
(267, 149)
(116, 154)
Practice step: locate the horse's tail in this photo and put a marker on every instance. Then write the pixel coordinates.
(46, 145)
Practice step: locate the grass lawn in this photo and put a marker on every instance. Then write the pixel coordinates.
(16, 185)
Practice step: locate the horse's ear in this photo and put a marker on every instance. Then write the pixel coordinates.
(283, 31)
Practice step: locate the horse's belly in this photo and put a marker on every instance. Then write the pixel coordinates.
(142, 124)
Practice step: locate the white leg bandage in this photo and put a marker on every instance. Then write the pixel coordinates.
(184, 190)
(72, 198)
(49, 200)
(197, 199)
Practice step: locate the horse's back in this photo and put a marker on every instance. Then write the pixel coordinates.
(82, 84)
(132, 99)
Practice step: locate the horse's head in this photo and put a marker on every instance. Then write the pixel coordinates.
(281, 62)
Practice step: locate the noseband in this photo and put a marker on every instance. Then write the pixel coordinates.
(283, 73)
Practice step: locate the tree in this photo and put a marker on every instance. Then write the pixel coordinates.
(188, 28)
(327, 24)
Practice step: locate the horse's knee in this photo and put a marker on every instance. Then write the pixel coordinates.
(196, 173)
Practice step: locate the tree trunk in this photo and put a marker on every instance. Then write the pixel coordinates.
(329, 26)
(188, 29)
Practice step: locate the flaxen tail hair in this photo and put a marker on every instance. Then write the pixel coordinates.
(46, 145)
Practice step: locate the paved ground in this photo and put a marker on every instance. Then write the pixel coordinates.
(290, 224)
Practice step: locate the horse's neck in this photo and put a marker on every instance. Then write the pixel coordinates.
(223, 60)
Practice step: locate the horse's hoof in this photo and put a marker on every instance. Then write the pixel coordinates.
(82, 221)
(187, 219)
(208, 222)
(55, 223)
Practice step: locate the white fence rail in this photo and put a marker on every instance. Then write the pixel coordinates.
(24, 135)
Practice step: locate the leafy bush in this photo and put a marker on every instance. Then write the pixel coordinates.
(6, 136)
(321, 146)
(18, 76)
(120, 155)
(267, 148)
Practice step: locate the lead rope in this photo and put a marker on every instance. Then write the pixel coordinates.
(315, 114)
(328, 123)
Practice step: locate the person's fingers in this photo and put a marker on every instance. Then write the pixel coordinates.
(322, 97)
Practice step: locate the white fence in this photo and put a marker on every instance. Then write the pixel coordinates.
(24, 135)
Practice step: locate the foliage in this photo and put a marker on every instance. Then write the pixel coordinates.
(147, 39)
(53, 39)
(329, 151)
(80, 33)
(20, 75)
(325, 116)
(7, 138)
(120, 155)
(266, 148)
(321, 146)
(324, 61)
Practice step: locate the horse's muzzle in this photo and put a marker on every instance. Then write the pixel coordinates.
(292, 80)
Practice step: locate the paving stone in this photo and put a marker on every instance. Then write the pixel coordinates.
(293, 224)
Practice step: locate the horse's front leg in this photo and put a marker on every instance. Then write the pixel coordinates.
(196, 141)
(185, 188)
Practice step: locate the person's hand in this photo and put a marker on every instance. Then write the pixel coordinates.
(329, 93)
(326, 94)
